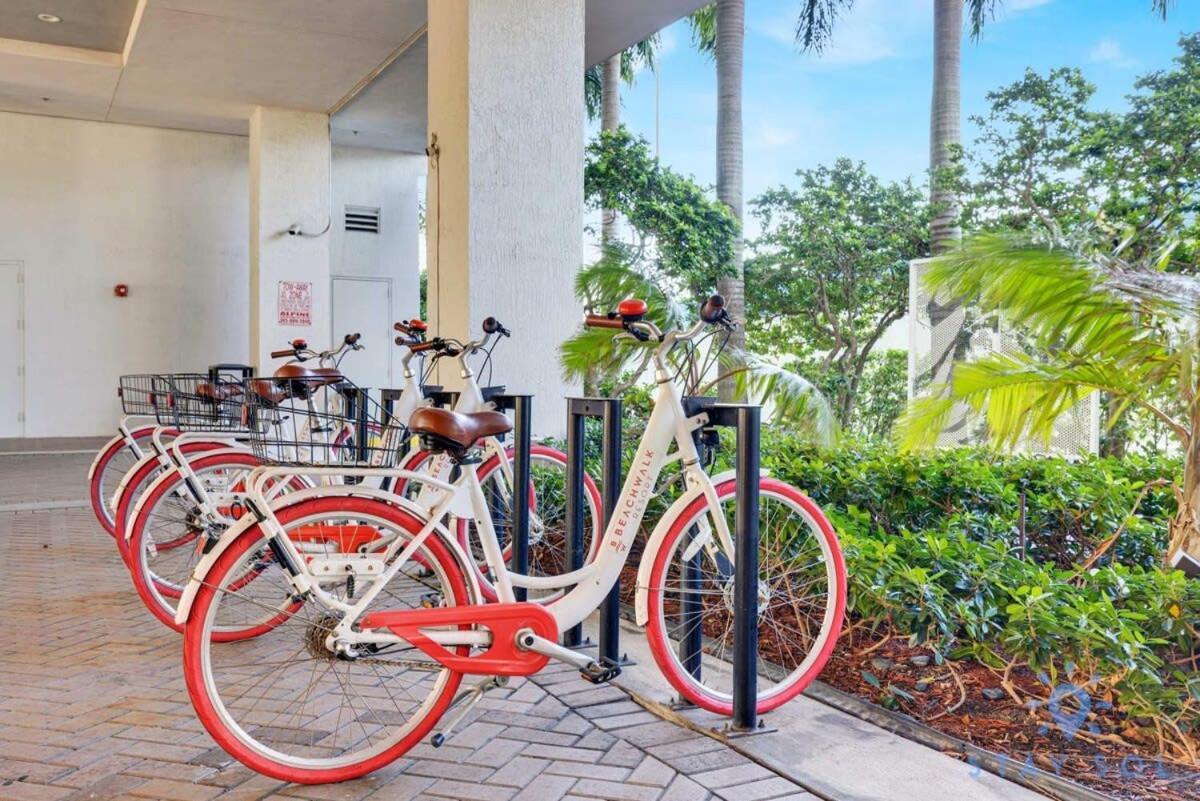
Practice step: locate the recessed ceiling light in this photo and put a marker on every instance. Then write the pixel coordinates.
(49, 18)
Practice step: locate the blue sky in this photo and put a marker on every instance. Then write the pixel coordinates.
(867, 96)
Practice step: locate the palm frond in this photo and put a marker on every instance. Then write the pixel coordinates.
(814, 26)
(704, 30)
(593, 91)
(792, 400)
(600, 287)
(978, 13)
(1085, 326)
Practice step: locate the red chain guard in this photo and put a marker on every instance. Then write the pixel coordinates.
(502, 657)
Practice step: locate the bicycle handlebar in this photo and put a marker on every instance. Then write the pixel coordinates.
(604, 321)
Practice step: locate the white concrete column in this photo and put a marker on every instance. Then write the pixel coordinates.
(505, 185)
(289, 186)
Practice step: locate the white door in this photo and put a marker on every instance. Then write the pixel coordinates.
(364, 306)
(12, 349)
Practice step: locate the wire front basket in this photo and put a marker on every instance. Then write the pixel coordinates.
(212, 402)
(336, 425)
(137, 394)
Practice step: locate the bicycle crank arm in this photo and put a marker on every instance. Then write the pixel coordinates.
(591, 670)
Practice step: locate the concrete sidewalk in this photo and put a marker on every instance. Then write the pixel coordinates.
(830, 753)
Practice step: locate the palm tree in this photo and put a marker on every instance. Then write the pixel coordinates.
(1089, 323)
(720, 30)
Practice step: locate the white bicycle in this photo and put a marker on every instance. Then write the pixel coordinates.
(362, 654)
(182, 510)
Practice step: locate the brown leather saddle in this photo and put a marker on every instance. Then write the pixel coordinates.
(455, 432)
(299, 381)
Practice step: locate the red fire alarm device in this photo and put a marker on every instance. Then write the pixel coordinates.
(121, 290)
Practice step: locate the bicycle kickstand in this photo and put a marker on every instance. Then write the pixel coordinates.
(467, 699)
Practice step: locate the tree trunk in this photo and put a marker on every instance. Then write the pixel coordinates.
(1184, 527)
(731, 34)
(945, 119)
(610, 118)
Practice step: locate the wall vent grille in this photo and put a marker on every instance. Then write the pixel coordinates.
(364, 219)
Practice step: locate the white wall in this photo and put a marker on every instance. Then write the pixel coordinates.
(388, 181)
(87, 205)
(289, 186)
(506, 190)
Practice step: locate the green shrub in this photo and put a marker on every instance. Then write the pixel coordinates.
(1070, 506)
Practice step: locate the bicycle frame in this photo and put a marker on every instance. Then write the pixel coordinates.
(590, 585)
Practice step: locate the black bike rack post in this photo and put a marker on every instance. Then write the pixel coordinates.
(745, 621)
(521, 407)
(357, 409)
(609, 411)
(747, 421)
(216, 371)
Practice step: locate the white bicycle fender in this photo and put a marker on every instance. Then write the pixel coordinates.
(100, 453)
(228, 538)
(113, 501)
(137, 507)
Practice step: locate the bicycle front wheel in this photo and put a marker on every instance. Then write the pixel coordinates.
(801, 598)
(284, 704)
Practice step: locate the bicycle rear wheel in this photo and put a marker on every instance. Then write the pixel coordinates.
(286, 706)
(801, 598)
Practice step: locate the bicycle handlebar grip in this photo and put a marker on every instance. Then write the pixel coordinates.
(493, 326)
(603, 321)
(713, 309)
(352, 339)
(418, 347)
(281, 354)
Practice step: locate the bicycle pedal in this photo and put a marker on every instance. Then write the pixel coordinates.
(601, 672)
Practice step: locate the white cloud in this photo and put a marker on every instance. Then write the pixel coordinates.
(767, 135)
(871, 31)
(1108, 51)
(1024, 5)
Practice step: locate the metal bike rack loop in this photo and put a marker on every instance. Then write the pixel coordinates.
(746, 420)
(609, 412)
(521, 407)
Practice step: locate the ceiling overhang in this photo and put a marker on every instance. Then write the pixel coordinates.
(206, 64)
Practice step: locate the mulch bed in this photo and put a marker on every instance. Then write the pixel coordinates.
(1098, 750)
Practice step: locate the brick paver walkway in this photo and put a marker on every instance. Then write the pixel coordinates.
(92, 704)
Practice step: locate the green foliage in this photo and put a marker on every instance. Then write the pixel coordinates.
(880, 395)
(1029, 154)
(1122, 632)
(831, 274)
(814, 25)
(1088, 326)
(1070, 507)
(642, 54)
(686, 232)
(932, 554)
(1045, 162)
